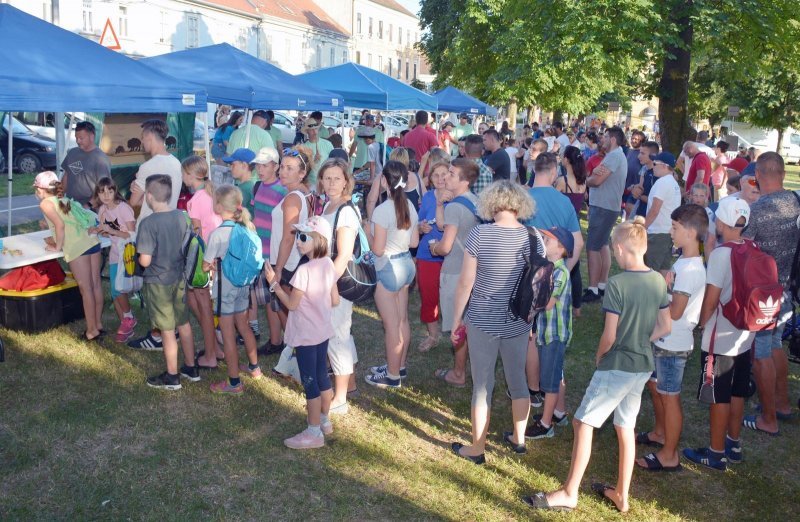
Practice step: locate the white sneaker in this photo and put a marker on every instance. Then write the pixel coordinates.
(305, 440)
(326, 427)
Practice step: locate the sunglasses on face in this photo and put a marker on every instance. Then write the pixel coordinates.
(303, 237)
(752, 182)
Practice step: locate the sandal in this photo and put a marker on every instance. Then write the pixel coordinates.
(653, 464)
(203, 352)
(750, 422)
(539, 501)
(442, 374)
(428, 343)
(778, 415)
(600, 490)
(643, 437)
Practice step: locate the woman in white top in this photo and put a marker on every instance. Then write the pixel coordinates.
(337, 184)
(394, 230)
(293, 209)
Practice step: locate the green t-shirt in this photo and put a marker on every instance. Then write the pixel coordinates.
(362, 149)
(275, 134)
(324, 147)
(636, 297)
(247, 195)
(461, 131)
(259, 138)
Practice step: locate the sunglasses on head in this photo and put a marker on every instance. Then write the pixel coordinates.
(295, 154)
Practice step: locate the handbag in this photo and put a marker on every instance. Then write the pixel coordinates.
(357, 283)
(287, 365)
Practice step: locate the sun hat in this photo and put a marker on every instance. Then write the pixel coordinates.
(316, 224)
(730, 209)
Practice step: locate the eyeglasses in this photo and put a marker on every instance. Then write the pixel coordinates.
(295, 154)
(303, 237)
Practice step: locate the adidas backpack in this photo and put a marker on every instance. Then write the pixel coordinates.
(242, 262)
(535, 285)
(756, 294)
(194, 248)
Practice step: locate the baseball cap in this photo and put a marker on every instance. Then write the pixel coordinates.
(730, 209)
(463, 115)
(266, 155)
(45, 179)
(563, 236)
(749, 170)
(316, 224)
(245, 155)
(737, 164)
(665, 157)
(260, 114)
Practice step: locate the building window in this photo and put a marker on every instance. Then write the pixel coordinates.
(369, 60)
(380, 63)
(193, 34)
(333, 56)
(408, 37)
(390, 67)
(400, 35)
(241, 41)
(416, 37)
(415, 71)
(344, 56)
(287, 50)
(319, 56)
(123, 21)
(358, 23)
(268, 51)
(358, 57)
(87, 17)
(407, 69)
(369, 27)
(390, 32)
(398, 68)
(47, 11)
(380, 29)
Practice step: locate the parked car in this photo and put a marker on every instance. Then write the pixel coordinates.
(285, 123)
(32, 153)
(41, 123)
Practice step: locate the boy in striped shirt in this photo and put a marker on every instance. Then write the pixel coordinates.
(553, 333)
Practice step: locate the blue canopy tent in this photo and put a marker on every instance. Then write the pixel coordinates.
(370, 89)
(247, 81)
(453, 100)
(46, 68)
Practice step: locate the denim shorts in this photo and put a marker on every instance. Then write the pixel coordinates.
(612, 391)
(551, 366)
(769, 340)
(398, 271)
(669, 370)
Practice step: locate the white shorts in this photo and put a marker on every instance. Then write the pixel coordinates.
(341, 347)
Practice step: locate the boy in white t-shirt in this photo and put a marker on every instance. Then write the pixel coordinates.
(731, 346)
(664, 197)
(686, 283)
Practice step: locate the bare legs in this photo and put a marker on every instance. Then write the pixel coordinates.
(86, 270)
(393, 309)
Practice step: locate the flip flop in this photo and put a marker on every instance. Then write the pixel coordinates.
(750, 422)
(653, 464)
(539, 501)
(442, 374)
(780, 416)
(600, 490)
(206, 368)
(203, 352)
(643, 438)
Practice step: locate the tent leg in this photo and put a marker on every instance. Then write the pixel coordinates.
(248, 120)
(10, 162)
(205, 132)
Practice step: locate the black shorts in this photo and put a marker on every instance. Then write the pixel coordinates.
(731, 376)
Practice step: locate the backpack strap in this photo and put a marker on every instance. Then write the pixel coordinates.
(255, 187)
(793, 282)
(347, 203)
(467, 203)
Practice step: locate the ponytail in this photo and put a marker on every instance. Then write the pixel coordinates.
(396, 175)
(230, 199)
(63, 203)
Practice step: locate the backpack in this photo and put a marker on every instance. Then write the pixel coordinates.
(535, 284)
(756, 294)
(242, 262)
(194, 248)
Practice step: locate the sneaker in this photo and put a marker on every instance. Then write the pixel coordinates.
(190, 373)
(733, 451)
(326, 427)
(381, 370)
(556, 421)
(516, 448)
(164, 381)
(271, 349)
(706, 457)
(255, 374)
(125, 330)
(256, 331)
(537, 399)
(538, 431)
(341, 409)
(147, 343)
(226, 388)
(590, 297)
(305, 440)
(382, 381)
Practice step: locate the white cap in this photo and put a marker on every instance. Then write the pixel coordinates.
(266, 155)
(730, 209)
(316, 224)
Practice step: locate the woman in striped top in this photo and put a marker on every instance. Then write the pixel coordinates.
(489, 275)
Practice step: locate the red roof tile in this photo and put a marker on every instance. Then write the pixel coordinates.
(305, 12)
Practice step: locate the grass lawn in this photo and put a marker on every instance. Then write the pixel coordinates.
(22, 184)
(82, 437)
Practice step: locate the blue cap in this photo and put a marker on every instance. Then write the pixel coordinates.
(338, 153)
(245, 155)
(750, 169)
(665, 157)
(563, 236)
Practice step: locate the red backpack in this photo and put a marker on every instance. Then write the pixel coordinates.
(756, 294)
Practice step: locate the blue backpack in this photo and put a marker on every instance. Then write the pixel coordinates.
(242, 262)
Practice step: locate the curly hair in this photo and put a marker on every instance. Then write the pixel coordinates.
(505, 195)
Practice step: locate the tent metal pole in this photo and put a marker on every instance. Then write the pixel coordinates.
(10, 161)
(248, 122)
(61, 143)
(207, 147)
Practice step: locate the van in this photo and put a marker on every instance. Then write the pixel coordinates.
(766, 139)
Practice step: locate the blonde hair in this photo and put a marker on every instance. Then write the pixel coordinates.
(230, 199)
(505, 195)
(632, 235)
(400, 154)
(319, 245)
(197, 167)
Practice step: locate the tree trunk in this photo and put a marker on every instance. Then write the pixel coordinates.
(511, 110)
(529, 115)
(779, 147)
(558, 115)
(673, 86)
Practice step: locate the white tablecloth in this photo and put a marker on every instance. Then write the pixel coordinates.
(32, 246)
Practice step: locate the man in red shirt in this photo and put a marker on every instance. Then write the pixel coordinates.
(700, 169)
(419, 139)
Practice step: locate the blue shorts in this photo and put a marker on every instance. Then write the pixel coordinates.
(769, 340)
(612, 391)
(669, 370)
(551, 366)
(399, 271)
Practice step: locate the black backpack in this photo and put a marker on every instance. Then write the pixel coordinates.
(535, 284)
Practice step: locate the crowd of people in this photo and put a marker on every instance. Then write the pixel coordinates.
(455, 212)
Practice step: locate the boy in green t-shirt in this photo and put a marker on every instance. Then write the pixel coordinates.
(636, 313)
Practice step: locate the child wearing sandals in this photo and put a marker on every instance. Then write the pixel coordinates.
(636, 313)
(117, 222)
(231, 302)
(309, 325)
(686, 283)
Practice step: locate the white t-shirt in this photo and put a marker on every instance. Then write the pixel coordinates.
(374, 154)
(729, 340)
(160, 164)
(667, 190)
(397, 241)
(512, 155)
(563, 141)
(690, 280)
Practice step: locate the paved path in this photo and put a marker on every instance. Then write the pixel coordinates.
(19, 214)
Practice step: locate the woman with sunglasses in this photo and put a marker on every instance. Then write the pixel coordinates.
(284, 256)
(337, 184)
(394, 230)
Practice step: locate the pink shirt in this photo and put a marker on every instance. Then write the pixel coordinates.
(201, 208)
(421, 140)
(120, 215)
(311, 324)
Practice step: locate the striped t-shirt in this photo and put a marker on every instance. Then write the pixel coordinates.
(500, 252)
(267, 198)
